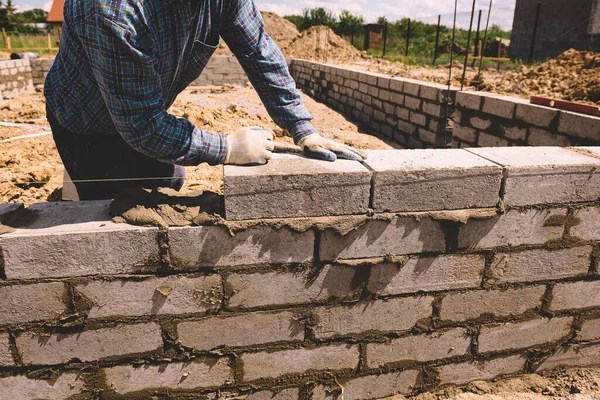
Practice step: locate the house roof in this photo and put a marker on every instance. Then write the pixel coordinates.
(56, 12)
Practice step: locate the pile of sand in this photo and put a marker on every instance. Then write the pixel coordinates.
(280, 29)
(320, 43)
(574, 75)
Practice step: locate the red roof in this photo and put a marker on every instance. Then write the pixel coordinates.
(56, 12)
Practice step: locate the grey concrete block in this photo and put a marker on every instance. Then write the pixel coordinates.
(428, 180)
(545, 175)
(295, 186)
(579, 125)
(536, 115)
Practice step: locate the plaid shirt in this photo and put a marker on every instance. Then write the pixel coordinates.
(122, 63)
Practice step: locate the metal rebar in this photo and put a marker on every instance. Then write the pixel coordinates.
(437, 39)
(452, 45)
(476, 51)
(464, 75)
(487, 24)
(408, 37)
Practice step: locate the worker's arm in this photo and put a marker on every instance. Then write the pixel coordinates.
(265, 65)
(121, 51)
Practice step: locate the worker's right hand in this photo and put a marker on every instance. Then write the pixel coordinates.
(251, 145)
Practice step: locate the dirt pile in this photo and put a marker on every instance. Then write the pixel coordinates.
(27, 108)
(320, 43)
(280, 29)
(574, 75)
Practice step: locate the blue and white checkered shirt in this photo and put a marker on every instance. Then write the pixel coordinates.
(122, 63)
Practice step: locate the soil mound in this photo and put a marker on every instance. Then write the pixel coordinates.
(574, 75)
(280, 29)
(320, 43)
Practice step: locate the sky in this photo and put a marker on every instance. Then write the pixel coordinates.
(422, 10)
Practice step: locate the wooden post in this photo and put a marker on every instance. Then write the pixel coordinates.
(49, 41)
(4, 38)
(385, 32)
(437, 40)
(408, 37)
(499, 53)
(7, 42)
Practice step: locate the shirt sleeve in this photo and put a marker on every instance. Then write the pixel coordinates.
(122, 61)
(266, 67)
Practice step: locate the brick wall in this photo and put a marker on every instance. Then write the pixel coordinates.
(560, 28)
(15, 77)
(482, 278)
(40, 68)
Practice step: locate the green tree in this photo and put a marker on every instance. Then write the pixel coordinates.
(349, 22)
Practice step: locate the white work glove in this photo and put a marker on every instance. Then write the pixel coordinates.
(316, 146)
(249, 146)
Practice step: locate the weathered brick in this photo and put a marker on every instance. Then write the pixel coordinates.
(76, 239)
(249, 290)
(465, 306)
(375, 386)
(540, 265)
(585, 223)
(299, 361)
(572, 356)
(430, 180)
(26, 303)
(566, 296)
(22, 388)
(487, 140)
(460, 374)
(469, 100)
(427, 274)
(154, 296)
(522, 335)
(6, 357)
(197, 374)
(285, 394)
(89, 345)
(380, 315)
(401, 235)
(195, 246)
(541, 137)
(558, 175)
(579, 125)
(590, 330)
(515, 228)
(293, 186)
(419, 348)
(243, 330)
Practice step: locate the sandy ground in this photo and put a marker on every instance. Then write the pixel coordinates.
(32, 171)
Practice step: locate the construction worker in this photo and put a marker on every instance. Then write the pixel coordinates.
(120, 66)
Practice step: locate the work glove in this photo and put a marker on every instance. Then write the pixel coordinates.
(249, 146)
(316, 146)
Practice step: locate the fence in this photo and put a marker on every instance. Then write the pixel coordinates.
(21, 43)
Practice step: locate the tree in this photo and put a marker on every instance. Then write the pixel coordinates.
(348, 22)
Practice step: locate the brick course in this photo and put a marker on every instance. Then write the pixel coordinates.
(25, 303)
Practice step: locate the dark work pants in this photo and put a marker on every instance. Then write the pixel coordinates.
(107, 164)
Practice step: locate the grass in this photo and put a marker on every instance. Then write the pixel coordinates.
(30, 42)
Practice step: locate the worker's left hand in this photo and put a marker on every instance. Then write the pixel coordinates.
(316, 146)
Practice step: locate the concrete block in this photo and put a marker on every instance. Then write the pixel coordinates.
(76, 239)
(7, 209)
(501, 106)
(22, 388)
(515, 228)
(89, 345)
(28, 303)
(379, 386)
(397, 85)
(198, 374)
(585, 223)
(464, 133)
(557, 175)
(536, 115)
(413, 103)
(514, 132)
(427, 274)
(590, 330)
(572, 356)
(412, 86)
(400, 235)
(6, 358)
(487, 140)
(499, 303)
(298, 361)
(480, 123)
(579, 125)
(285, 394)
(249, 290)
(417, 118)
(469, 100)
(540, 265)
(155, 296)
(541, 137)
(460, 374)
(429, 180)
(521, 335)
(242, 330)
(381, 315)
(438, 345)
(209, 246)
(294, 186)
(566, 296)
